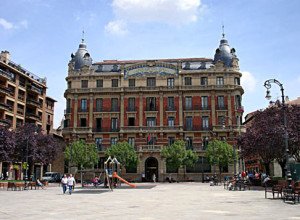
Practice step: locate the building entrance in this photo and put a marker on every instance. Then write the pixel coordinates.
(151, 167)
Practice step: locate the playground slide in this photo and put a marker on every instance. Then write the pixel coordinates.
(115, 175)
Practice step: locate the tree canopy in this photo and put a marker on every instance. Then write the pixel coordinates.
(176, 155)
(220, 153)
(81, 154)
(124, 152)
(265, 136)
(7, 144)
(27, 141)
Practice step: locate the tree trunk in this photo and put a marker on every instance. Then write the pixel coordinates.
(282, 165)
(267, 167)
(81, 177)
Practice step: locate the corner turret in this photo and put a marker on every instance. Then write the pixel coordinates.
(226, 54)
(81, 57)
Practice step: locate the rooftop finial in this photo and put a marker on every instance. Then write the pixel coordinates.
(82, 39)
(223, 34)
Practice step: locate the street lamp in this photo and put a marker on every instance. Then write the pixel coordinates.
(267, 84)
(234, 145)
(26, 160)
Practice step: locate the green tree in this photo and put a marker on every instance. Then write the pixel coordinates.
(220, 153)
(124, 152)
(81, 155)
(176, 155)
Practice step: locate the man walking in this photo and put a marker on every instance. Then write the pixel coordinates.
(64, 182)
(71, 183)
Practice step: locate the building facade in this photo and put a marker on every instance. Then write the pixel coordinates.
(152, 103)
(23, 99)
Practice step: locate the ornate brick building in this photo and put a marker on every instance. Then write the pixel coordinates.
(151, 103)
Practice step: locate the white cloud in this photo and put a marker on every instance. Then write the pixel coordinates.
(248, 81)
(116, 27)
(171, 12)
(5, 24)
(9, 25)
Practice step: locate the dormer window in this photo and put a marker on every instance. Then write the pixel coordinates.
(115, 68)
(237, 81)
(187, 65)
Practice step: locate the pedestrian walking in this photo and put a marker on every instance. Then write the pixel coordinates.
(154, 178)
(71, 183)
(64, 183)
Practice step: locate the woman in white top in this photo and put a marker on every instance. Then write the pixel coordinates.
(71, 183)
(64, 182)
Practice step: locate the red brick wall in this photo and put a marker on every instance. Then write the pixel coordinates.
(107, 104)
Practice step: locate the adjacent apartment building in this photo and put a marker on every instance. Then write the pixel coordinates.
(152, 103)
(23, 99)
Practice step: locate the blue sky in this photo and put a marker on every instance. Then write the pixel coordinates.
(41, 35)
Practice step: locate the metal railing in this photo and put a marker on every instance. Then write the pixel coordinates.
(26, 72)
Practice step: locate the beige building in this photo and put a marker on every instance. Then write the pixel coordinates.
(151, 103)
(23, 99)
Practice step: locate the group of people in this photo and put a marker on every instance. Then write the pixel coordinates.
(68, 182)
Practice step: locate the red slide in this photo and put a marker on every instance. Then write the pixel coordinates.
(115, 175)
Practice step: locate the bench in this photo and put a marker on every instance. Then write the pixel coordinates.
(272, 187)
(11, 186)
(19, 185)
(31, 185)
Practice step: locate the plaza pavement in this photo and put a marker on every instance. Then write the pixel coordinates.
(146, 202)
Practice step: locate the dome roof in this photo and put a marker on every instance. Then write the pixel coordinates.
(224, 53)
(81, 57)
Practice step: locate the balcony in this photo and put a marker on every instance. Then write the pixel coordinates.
(82, 110)
(205, 108)
(32, 102)
(115, 109)
(4, 90)
(20, 111)
(171, 108)
(105, 129)
(97, 130)
(21, 97)
(6, 75)
(131, 128)
(170, 128)
(151, 109)
(35, 89)
(221, 107)
(33, 116)
(197, 128)
(4, 106)
(149, 148)
(5, 122)
(131, 109)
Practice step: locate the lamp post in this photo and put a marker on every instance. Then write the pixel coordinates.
(234, 145)
(26, 160)
(267, 84)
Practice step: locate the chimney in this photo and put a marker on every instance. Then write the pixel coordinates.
(5, 56)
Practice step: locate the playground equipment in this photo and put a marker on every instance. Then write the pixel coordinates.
(112, 171)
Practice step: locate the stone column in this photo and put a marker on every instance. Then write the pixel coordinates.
(180, 111)
(213, 108)
(229, 109)
(161, 110)
(122, 112)
(75, 111)
(91, 109)
(141, 110)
